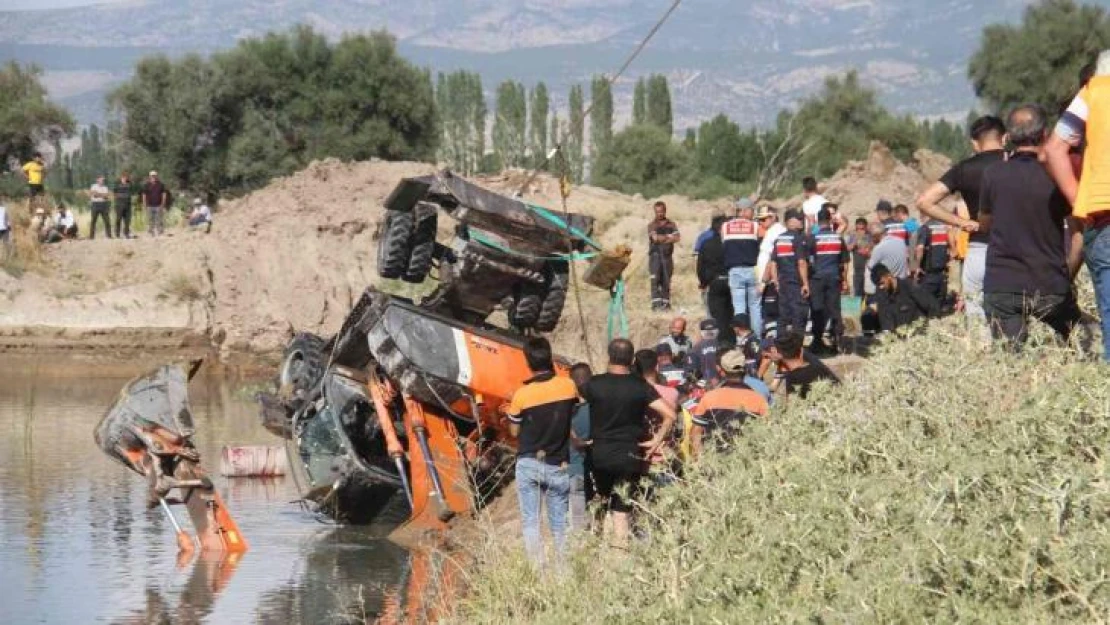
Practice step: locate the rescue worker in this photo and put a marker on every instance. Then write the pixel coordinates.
(713, 276)
(703, 359)
(885, 214)
(789, 271)
(670, 373)
(830, 278)
(662, 236)
(723, 410)
(931, 256)
(740, 237)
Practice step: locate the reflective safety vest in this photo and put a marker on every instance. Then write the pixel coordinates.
(897, 229)
(829, 253)
(1094, 186)
(934, 238)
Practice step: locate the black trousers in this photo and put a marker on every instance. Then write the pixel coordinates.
(858, 274)
(824, 298)
(100, 211)
(123, 219)
(661, 267)
(1009, 314)
(935, 283)
(793, 309)
(718, 301)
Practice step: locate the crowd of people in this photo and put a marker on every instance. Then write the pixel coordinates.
(111, 205)
(1037, 204)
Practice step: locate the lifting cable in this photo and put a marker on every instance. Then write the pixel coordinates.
(617, 324)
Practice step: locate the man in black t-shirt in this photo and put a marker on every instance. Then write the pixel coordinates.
(619, 404)
(796, 371)
(966, 179)
(1026, 272)
(662, 236)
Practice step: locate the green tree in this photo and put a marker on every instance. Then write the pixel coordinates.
(461, 111)
(723, 150)
(642, 159)
(690, 141)
(837, 123)
(26, 115)
(576, 138)
(659, 104)
(1038, 60)
(537, 140)
(601, 115)
(510, 125)
(639, 102)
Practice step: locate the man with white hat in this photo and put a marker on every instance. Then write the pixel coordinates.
(155, 198)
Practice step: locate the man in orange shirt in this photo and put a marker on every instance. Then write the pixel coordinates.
(722, 411)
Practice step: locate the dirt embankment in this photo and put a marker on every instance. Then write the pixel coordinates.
(297, 254)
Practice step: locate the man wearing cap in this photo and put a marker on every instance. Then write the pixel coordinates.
(723, 410)
(662, 236)
(124, 193)
(100, 200)
(771, 228)
(747, 342)
(789, 271)
(703, 358)
(155, 198)
(829, 257)
(813, 202)
(740, 238)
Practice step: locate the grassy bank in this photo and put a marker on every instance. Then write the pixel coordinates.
(941, 483)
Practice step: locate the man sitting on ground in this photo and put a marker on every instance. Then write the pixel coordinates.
(723, 410)
(797, 372)
(65, 223)
(904, 303)
(679, 343)
(201, 215)
(671, 374)
(703, 359)
(539, 416)
(747, 341)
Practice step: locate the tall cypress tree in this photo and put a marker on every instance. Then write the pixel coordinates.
(639, 103)
(577, 138)
(659, 103)
(601, 115)
(537, 140)
(510, 125)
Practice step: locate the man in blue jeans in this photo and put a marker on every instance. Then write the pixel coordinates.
(1085, 128)
(539, 416)
(740, 240)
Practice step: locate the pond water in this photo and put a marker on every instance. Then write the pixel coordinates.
(77, 544)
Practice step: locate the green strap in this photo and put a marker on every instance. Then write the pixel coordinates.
(488, 242)
(617, 326)
(562, 225)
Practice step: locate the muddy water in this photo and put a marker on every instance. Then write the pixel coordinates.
(77, 544)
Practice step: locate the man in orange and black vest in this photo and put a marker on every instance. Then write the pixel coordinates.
(830, 278)
(931, 256)
(539, 416)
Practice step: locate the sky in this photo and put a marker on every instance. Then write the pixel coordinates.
(19, 5)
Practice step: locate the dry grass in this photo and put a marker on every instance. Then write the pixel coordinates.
(943, 482)
(182, 288)
(26, 252)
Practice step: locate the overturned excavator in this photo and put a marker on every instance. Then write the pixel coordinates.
(404, 405)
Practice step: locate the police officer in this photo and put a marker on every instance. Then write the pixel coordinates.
(829, 254)
(740, 238)
(789, 271)
(931, 256)
(893, 226)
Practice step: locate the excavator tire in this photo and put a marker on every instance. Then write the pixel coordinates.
(393, 247)
(551, 309)
(303, 364)
(525, 310)
(423, 244)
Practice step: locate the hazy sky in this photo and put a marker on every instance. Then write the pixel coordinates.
(17, 5)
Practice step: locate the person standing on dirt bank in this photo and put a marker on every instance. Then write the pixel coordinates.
(789, 271)
(740, 238)
(619, 405)
(1087, 121)
(1027, 273)
(662, 236)
(123, 192)
(155, 198)
(539, 416)
(966, 179)
(34, 171)
(100, 200)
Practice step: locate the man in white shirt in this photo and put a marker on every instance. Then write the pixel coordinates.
(201, 215)
(100, 200)
(769, 223)
(813, 202)
(5, 233)
(65, 223)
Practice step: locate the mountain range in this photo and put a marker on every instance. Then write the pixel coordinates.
(747, 58)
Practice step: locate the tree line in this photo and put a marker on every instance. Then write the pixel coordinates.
(231, 122)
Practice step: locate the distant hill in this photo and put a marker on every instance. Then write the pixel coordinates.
(746, 58)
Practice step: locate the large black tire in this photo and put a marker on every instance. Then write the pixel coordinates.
(555, 298)
(423, 244)
(525, 310)
(393, 247)
(303, 364)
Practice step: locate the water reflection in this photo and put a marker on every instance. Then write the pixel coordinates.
(78, 544)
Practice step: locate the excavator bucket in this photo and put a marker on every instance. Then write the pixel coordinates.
(149, 430)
